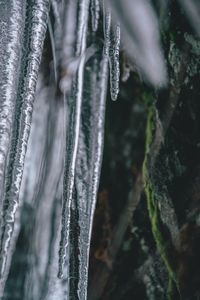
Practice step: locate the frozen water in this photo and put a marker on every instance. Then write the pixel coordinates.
(50, 201)
(73, 132)
(95, 11)
(114, 62)
(26, 60)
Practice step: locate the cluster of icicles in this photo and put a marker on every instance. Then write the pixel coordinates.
(51, 134)
(29, 166)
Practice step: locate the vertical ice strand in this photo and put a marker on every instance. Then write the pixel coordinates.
(67, 55)
(111, 49)
(89, 160)
(100, 114)
(12, 22)
(141, 39)
(95, 14)
(114, 61)
(73, 128)
(34, 33)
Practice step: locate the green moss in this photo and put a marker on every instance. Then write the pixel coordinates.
(172, 292)
(150, 190)
(147, 98)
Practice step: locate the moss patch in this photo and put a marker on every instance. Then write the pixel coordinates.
(152, 203)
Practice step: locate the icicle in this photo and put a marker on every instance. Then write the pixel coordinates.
(69, 63)
(53, 48)
(73, 134)
(98, 150)
(88, 164)
(141, 39)
(114, 62)
(57, 9)
(33, 43)
(58, 12)
(95, 11)
(44, 201)
(69, 32)
(71, 151)
(83, 182)
(94, 155)
(11, 33)
(111, 49)
(107, 30)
